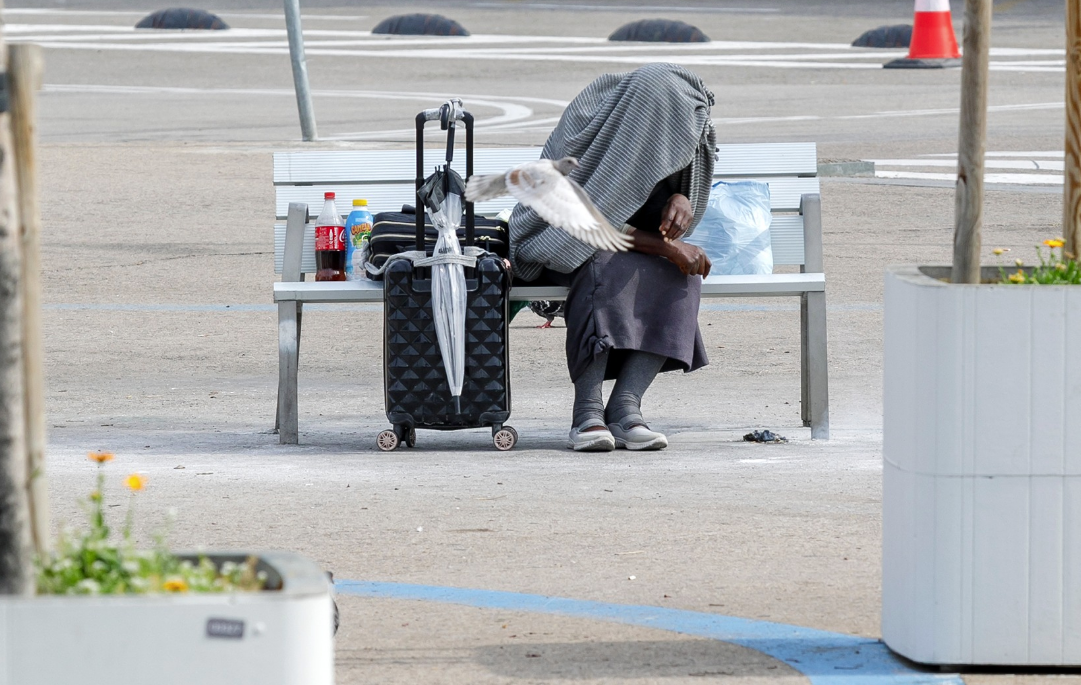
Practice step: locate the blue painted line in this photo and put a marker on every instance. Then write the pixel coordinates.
(125, 307)
(850, 307)
(826, 658)
(120, 307)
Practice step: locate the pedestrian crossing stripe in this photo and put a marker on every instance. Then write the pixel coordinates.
(1005, 167)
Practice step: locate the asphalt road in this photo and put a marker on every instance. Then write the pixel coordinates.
(161, 336)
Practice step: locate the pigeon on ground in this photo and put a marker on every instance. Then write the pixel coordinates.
(545, 187)
(549, 309)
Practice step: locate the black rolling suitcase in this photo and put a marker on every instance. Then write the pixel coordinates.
(415, 380)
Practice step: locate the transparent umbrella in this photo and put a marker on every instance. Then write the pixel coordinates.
(442, 195)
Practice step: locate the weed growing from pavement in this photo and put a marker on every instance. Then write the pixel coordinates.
(91, 563)
(1059, 268)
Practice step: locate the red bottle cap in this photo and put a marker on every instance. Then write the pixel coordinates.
(328, 196)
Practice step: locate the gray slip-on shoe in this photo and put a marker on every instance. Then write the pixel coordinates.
(638, 438)
(581, 440)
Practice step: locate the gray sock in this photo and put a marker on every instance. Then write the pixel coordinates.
(588, 400)
(638, 372)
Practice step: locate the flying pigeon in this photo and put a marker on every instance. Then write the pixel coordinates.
(545, 187)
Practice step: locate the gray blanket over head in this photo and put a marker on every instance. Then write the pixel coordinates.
(628, 132)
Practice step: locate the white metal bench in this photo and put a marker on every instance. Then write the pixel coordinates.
(386, 178)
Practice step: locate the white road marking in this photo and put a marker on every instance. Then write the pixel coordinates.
(524, 123)
(1030, 164)
(574, 49)
(512, 116)
(28, 11)
(954, 110)
(1004, 179)
(1040, 154)
(625, 8)
(1011, 159)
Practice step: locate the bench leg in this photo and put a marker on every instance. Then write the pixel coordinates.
(814, 375)
(286, 422)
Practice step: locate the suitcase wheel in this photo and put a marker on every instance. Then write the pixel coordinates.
(411, 437)
(387, 441)
(505, 438)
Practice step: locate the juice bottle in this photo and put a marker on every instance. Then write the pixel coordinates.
(357, 227)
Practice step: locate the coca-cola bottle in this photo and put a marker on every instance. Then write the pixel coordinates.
(329, 242)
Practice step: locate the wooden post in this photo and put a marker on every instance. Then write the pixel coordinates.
(24, 80)
(16, 568)
(1071, 201)
(968, 210)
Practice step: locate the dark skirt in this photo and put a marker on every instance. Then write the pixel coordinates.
(627, 301)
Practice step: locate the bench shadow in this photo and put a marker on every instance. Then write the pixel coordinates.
(680, 658)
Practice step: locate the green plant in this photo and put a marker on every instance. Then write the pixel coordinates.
(90, 563)
(1059, 268)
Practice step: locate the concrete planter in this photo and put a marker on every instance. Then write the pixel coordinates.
(982, 477)
(282, 636)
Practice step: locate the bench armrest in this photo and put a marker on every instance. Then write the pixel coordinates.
(294, 242)
(810, 207)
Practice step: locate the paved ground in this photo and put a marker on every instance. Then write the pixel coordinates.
(161, 341)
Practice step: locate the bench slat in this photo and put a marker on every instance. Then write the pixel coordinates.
(785, 195)
(786, 236)
(766, 159)
(381, 197)
(340, 167)
(714, 286)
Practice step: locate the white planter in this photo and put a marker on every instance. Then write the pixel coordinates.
(981, 538)
(280, 637)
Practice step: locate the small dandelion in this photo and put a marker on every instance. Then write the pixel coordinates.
(1018, 277)
(999, 251)
(1054, 242)
(175, 585)
(1061, 266)
(101, 457)
(1018, 262)
(135, 482)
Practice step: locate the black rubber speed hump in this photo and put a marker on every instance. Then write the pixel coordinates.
(897, 36)
(182, 18)
(659, 31)
(420, 25)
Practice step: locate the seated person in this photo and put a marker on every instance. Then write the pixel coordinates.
(645, 144)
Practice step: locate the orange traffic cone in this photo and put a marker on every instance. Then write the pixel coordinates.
(933, 45)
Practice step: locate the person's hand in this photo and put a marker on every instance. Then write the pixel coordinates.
(676, 217)
(690, 259)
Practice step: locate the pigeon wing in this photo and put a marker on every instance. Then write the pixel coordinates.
(619, 241)
(559, 201)
(481, 188)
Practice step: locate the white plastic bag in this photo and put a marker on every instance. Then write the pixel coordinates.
(449, 295)
(734, 232)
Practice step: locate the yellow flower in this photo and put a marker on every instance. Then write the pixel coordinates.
(1018, 262)
(175, 585)
(999, 251)
(101, 457)
(135, 482)
(1054, 242)
(1018, 277)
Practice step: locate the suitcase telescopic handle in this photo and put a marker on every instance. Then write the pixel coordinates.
(447, 114)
